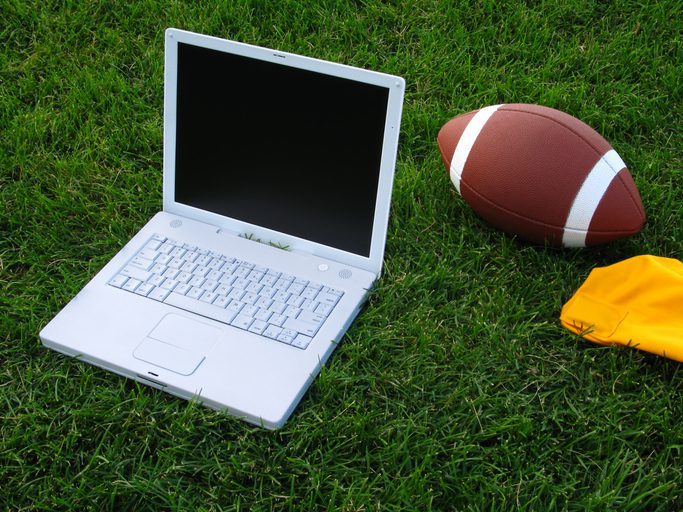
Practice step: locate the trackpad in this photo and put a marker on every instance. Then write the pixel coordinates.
(177, 344)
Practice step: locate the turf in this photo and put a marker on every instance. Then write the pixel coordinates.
(456, 388)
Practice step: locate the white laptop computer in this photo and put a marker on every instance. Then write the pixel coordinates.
(278, 172)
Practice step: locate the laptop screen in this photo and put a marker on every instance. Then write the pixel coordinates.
(279, 147)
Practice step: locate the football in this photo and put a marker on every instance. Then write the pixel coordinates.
(541, 174)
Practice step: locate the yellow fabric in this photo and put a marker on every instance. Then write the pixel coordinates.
(637, 302)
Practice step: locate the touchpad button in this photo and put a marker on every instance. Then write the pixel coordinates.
(167, 356)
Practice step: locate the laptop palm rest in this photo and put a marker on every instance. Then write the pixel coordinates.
(178, 344)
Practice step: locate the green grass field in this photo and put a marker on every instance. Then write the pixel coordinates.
(457, 388)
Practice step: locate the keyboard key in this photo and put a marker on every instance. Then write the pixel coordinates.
(301, 341)
(144, 289)
(332, 291)
(329, 299)
(118, 280)
(291, 312)
(221, 301)
(163, 259)
(242, 321)
(210, 285)
(249, 298)
(227, 279)
(255, 275)
(276, 319)
(309, 304)
(156, 280)
(240, 283)
(159, 294)
(214, 275)
(158, 268)
(269, 280)
(300, 326)
(263, 302)
(311, 318)
(188, 267)
(148, 254)
(183, 277)
(254, 287)
(196, 281)
(277, 307)
(284, 338)
(281, 296)
(241, 271)
(263, 314)
(223, 289)
(295, 301)
(182, 288)
(268, 292)
(176, 263)
(195, 293)
(323, 309)
(295, 288)
(169, 284)
(178, 252)
(230, 268)
(153, 245)
(135, 272)
(191, 256)
(235, 306)
(272, 331)
(281, 284)
(258, 326)
(170, 273)
(249, 309)
(131, 285)
(203, 260)
(201, 270)
(216, 264)
(308, 293)
(165, 248)
(236, 294)
(208, 297)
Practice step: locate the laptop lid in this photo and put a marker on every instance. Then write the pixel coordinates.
(283, 148)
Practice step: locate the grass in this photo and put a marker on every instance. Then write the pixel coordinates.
(456, 388)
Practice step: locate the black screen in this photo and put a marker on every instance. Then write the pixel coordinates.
(280, 147)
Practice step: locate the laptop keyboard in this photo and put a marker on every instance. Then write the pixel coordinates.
(257, 299)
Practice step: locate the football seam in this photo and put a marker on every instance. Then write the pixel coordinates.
(568, 128)
(538, 222)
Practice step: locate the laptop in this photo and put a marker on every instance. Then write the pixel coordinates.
(277, 180)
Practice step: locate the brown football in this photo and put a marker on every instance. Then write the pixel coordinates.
(541, 174)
